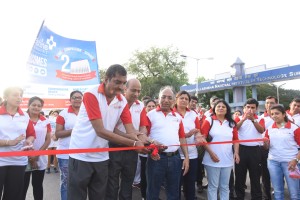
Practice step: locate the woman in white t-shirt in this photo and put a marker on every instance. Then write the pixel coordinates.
(284, 156)
(15, 126)
(37, 164)
(218, 159)
(191, 124)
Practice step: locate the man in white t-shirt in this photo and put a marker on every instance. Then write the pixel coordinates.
(250, 126)
(123, 164)
(294, 112)
(102, 107)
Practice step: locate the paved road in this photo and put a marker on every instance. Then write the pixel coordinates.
(51, 190)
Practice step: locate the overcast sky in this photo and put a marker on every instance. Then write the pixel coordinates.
(259, 32)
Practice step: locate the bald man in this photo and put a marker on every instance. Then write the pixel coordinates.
(122, 164)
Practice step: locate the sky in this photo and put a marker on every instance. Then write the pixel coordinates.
(258, 32)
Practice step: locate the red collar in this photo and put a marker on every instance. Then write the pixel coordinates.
(159, 109)
(287, 125)
(175, 110)
(214, 117)
(71, 110)
(101, 89)
(266, 114)
(3, 111)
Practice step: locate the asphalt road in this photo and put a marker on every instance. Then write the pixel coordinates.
(51, 190)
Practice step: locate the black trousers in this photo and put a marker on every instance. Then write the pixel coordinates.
(12, 180)
(265, 175)
(250, 159)
(121, 173)
(143, 176)
(37, 183)
(87, 179)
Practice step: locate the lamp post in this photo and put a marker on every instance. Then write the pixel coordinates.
(197, 59)
(277, 87)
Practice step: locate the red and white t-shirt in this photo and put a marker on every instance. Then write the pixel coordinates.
(42, 127)
(248, 131)
(12, 127)
(67, 118)
(190, 121)
(95, 106)
(284, 142)
(294, 118)
(220, 131)
(165, 128)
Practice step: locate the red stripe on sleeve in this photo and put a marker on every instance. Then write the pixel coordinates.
(262, 122)
(267, 134)
(181, 130)
(92, 106)
(197, 123)
(149, 125)
(143, 118)
(235, 133)
(60, 120)
(205, 128)
(126, 116)
(30, 130)
(297, 135)
(49, 128)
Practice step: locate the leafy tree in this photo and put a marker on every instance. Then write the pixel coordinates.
(157, 67)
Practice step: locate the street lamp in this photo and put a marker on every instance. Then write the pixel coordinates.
(197, 59)
(277, 87)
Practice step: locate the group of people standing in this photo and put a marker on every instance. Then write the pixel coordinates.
(164, 134)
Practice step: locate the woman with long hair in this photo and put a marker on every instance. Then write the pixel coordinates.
(191, 124)
(37, 164)
(16, 134)
(284, 155)
(218, 159)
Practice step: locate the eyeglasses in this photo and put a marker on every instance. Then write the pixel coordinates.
(76, 98)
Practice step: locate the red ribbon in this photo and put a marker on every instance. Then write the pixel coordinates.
(97, 150)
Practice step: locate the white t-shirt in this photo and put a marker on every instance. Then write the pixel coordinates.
(66, 118)
(220, 131)
(283, 143)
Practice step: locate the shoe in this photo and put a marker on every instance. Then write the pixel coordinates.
(205, 186)
(137, 185)
(55, 170)
(48, 171)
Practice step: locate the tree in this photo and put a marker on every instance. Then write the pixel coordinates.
(157, 67)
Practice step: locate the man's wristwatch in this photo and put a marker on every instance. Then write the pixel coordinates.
(255, 120)
(297, 160)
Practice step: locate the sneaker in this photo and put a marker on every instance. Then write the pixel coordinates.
(295, 173)
(55, 170)
(48, 171)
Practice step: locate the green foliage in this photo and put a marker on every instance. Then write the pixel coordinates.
(157, 67)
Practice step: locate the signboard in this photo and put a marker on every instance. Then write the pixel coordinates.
(57, 66)
(271, 75)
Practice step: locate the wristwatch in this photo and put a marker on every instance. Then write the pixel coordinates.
(297, 159)
(255, 120)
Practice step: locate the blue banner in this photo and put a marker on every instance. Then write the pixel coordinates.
(58, 65)
(271, 75)
(56, 60)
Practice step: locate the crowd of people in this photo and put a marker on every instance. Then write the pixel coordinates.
(171, 136)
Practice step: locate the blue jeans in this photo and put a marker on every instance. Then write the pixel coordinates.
(64, 172)
(278, 171)
(218, 178)
(168, 169)
(188, 180)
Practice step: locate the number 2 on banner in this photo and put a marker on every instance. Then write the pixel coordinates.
(64, 66)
